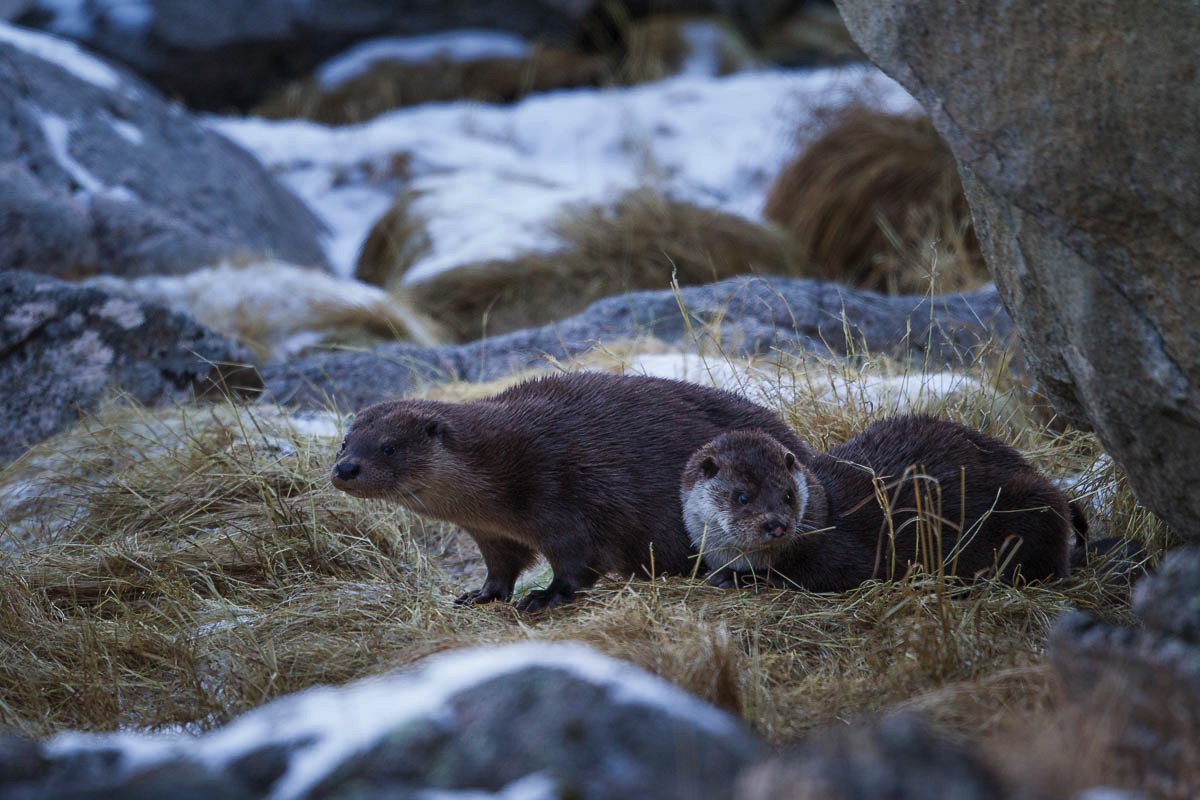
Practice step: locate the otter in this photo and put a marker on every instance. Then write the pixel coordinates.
(581, 467)
(907, 490)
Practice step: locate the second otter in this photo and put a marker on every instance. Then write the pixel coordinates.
(911, 489)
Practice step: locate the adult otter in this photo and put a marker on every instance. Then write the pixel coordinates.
(912, 489)
(583, 468)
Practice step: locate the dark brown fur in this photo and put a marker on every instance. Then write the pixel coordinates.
(987, 504)
(583, 468)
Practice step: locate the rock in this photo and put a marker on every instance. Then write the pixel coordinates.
(1133, 694)
(756, 315)
(65, 348)
(898, 757)
(560, 720)
(1073, 129)
(233, 52)
(98, 174)
(21, 759)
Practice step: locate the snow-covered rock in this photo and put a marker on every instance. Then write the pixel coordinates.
(100, 174)
(523, 720)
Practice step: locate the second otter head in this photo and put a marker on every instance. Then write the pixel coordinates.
(744, 498)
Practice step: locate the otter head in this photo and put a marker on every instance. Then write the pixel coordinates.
(393, 450)
(744, 497)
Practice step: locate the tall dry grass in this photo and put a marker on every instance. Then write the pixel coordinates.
(876, 202)
(644, 240)
(174, 568)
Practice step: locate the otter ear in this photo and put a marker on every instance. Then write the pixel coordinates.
(434, 428)
(709, 467)
(789, 460)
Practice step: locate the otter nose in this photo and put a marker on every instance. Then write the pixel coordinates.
(774, 527)
(346, 470)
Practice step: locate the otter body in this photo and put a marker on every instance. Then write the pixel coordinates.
(911, 489)
(583, 468)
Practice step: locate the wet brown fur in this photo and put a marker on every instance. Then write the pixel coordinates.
(583, 468)
(899, 487)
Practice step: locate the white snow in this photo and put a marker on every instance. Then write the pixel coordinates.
(58, 137)
(342, 721)
(456, 46)
(131, 133)
(492, 179)
(129, 15)
(65, 54)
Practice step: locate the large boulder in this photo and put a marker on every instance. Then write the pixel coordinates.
(1074, 129)
(1132, 695)
(98, 174)
(64, 349)
(527, 720)
(744, 315)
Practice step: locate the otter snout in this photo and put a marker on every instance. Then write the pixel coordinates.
(775, 527)
(346, 471)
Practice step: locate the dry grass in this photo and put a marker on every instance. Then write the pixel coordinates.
(387, 85)
(876, 202)
(643, 241)
(175, 568)
(394, 243)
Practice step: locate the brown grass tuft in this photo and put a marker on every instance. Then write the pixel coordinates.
(640, 242)
(394, 243)
(877, 203)
(388, 85)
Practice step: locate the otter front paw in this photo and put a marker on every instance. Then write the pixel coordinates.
(481, 596)
(541, 599)
(723, 578)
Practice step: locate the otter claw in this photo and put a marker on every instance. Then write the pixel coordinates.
(479, 597)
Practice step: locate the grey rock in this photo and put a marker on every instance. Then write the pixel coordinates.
(898, 757)
(65, 348)
(233, 52)
(1135, 692)
(1168, 601)
(557, 723)
(557, 718)
(757, 315)
(21, 759)
(1074, 130)
(98, 174)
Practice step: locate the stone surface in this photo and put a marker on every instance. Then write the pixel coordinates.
(556, 720)
(1074, 127)
(1133, 694)
(98, 174)
(64, 349)
(897, 757)
(756, 315)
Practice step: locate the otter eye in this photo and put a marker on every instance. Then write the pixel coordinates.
(388, 450)
(743, 498)
(342, 446)
(789, 497)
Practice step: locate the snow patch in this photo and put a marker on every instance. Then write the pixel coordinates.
(58, 136)
(129, 132)
(65, 54)
(456, 46)
(491, 180)
(125, 313)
